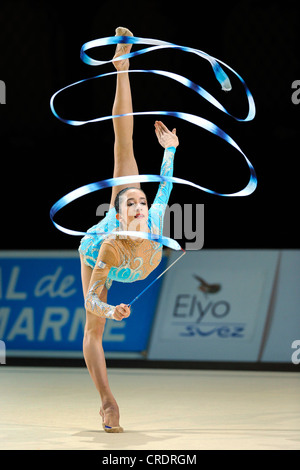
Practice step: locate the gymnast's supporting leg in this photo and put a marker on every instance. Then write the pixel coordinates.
(94, 354)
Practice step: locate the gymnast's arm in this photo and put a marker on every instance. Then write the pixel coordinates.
(94, 300)
(169, 141)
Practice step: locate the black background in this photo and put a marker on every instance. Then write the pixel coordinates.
(42, 159)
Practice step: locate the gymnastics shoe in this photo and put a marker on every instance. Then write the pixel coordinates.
(109, 428)
(120, 31)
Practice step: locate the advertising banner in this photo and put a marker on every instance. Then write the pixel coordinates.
(281, 342)
(42, 307)
(214, 306)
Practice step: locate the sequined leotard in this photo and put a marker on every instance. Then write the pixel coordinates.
(122, 259)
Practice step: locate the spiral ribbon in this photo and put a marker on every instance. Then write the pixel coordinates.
(222, 78)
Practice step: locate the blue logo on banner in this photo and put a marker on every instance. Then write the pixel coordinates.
(42, 306)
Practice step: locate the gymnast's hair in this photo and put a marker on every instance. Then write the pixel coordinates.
(120, 194)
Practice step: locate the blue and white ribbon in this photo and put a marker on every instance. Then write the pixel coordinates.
(156, 44)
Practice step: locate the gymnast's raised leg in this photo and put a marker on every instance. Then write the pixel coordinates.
(124, 163)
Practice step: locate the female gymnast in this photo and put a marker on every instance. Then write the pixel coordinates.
(113, 257)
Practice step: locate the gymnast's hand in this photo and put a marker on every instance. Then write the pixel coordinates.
(165, 137)
(121, 311)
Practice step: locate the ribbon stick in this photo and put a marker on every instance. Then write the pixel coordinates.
(156, 279)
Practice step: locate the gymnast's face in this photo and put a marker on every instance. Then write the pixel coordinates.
(134, 211)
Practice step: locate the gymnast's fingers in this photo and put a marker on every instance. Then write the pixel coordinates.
(121, 311)
(125, 310)
(163, 127)
(158, 128)
(118, 315)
